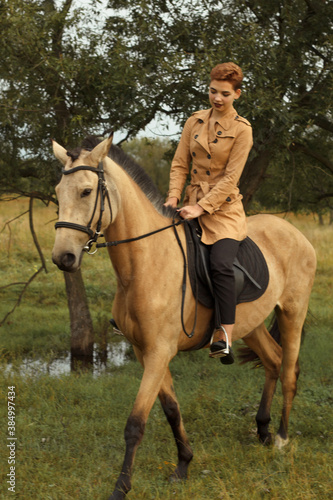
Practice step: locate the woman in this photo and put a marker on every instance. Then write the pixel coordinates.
(217, 142)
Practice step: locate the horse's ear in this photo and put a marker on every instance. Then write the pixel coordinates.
(101, 150)
(59, 152)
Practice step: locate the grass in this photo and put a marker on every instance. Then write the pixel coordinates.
(70, 428)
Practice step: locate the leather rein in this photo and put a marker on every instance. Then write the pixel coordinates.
(102, 193)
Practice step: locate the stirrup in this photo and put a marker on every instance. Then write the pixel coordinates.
(222, 350)
(115, 327)
(226, 337)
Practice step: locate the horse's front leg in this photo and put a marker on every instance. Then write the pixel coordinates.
(155, 366)
(171, 409)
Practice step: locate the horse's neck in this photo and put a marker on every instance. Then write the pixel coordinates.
(136, 216)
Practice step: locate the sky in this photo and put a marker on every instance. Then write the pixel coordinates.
(155, 129)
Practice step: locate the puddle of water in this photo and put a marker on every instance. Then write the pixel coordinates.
(116, 355)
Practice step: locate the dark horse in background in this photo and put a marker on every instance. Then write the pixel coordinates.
(116, 197)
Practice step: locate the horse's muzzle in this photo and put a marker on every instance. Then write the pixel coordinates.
(66, 262)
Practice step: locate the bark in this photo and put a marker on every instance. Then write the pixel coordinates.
(253, 175)
(82, 334)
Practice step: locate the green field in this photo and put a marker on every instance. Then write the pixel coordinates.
(69, 428)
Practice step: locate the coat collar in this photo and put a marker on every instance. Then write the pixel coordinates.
(225, 121)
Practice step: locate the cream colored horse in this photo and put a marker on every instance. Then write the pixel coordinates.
(149, 289)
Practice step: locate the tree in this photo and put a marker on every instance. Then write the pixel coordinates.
(42, 66)
(62, 77)
(284, 48)
(153, 154)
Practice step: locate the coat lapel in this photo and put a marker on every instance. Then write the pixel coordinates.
(201, 128)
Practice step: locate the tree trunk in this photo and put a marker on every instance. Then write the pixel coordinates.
(82, 334)
(253, 175)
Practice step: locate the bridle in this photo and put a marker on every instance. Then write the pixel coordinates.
(102, 193)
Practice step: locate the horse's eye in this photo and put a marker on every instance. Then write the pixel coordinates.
(85, 193)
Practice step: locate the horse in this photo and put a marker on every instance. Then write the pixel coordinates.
(103, 190)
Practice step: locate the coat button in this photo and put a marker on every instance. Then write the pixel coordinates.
(219, 132)
(209, 157)
(193, 154)
(228, 199)
(194, 171)
(196, 136)
(208, 172)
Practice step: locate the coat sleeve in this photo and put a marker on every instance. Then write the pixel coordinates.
(226, 185)
(180, 165)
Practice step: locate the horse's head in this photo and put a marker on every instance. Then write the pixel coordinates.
(84, 203)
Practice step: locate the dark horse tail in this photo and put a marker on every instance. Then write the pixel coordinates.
(247, 355)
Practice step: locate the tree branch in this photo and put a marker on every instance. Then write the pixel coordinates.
(323, 123)
(21, 295)
(34, 237)
(10, 231)
(309, 152)
(41, 256)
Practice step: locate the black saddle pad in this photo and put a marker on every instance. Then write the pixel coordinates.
(250, 268)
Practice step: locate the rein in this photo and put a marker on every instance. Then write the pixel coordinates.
(102, 192)
(174, 225)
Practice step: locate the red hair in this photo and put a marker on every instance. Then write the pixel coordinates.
(228, 71)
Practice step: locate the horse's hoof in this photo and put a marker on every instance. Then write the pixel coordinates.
(265, 439)
(280, 442)
(176, 477)
(117, 495)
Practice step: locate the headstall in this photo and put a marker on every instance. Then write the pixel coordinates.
(102, 192)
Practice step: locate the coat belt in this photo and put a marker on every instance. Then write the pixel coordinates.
(202, 186)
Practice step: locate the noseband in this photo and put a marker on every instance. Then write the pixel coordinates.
(102, 192)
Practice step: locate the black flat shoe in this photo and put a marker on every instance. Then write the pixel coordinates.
(219, 350)
(229, 359)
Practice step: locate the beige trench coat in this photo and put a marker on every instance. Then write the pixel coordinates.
(217, 164)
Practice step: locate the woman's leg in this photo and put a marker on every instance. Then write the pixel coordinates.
(222, 256)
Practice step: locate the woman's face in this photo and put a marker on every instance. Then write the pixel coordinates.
(222, 95)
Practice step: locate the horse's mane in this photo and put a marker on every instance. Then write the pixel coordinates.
(134, 170)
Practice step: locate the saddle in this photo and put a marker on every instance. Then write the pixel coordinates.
(250, 268)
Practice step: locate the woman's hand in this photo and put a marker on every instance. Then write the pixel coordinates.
(191, 211)
(171, 202)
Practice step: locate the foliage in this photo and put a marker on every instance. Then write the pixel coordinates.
(67, 71)
(153, 154)
(303, 180)
(48, 89)
(284, 48)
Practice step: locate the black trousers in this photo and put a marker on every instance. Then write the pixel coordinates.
(222, 255)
